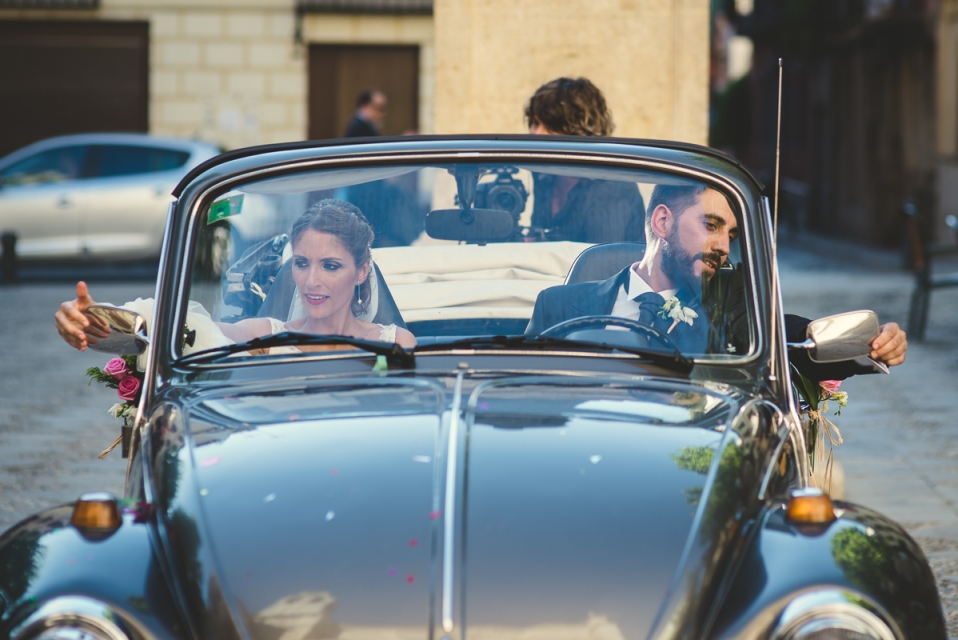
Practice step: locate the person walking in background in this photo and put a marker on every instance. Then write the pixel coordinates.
(390, 211)
(371, 107)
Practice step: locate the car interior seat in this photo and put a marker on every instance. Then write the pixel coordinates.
(603, 261)
(281, 301)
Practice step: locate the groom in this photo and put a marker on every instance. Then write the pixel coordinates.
(678, 287)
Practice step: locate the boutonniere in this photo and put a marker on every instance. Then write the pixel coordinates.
(674, 309)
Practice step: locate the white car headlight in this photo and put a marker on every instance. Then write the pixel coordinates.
(833, 614)
(73, 618)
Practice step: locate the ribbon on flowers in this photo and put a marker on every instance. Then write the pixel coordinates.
(834, 435)
(825, 428)
(113, 446)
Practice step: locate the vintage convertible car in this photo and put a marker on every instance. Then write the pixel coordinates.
(591, 479)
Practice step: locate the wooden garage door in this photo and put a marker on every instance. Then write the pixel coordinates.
(338, 74)
(71, 77)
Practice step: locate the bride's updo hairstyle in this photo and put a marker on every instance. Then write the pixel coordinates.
(346, 222)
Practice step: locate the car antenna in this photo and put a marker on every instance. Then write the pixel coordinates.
(775, 284)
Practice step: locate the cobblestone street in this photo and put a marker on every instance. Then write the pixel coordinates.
(901, 438)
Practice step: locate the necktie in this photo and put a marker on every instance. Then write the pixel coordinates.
(650, 304)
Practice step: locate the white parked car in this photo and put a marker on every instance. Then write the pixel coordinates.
(99, 196)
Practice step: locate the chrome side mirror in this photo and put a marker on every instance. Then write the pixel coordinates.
(115, 330)
(845, 336)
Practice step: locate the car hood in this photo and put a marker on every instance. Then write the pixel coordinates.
(316, 510)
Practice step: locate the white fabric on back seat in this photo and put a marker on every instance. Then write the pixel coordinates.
(500, 280)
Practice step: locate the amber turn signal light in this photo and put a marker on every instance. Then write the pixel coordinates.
(96, 512)
(810, 506)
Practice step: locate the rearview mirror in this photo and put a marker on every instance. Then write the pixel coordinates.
(470, 225)
(841, 337)
(116, 330)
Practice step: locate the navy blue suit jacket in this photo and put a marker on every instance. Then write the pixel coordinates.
(564, 302)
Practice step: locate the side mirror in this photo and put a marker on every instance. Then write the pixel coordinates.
(841, 337)
(115, 330)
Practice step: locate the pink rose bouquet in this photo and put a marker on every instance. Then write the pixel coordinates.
(117, 368)
(128, 388)
(820, 431)
(121, 374)
(831, 386)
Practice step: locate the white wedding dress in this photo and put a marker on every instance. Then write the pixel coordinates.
(387, 333)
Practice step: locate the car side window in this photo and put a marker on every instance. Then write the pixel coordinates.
(123, 160)
(53, 165)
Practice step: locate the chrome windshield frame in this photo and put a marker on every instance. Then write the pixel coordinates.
(750, 235)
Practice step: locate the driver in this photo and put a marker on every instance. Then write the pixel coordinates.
(680, 289)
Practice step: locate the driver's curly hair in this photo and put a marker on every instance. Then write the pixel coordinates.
(570, 106)
(345, 221)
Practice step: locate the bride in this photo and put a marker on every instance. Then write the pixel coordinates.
(330, 266)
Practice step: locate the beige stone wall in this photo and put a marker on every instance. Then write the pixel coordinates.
(393, 30)
(226, 72)
(649, 57)
(229, 71)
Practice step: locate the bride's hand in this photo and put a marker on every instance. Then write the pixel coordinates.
(73, 325)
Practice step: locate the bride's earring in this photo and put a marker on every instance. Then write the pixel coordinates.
(359, 295)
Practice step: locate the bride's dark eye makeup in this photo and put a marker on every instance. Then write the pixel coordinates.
(328, 265)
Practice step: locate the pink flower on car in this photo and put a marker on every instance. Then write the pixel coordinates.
(117, 368)
(830, 386)
(128, 388)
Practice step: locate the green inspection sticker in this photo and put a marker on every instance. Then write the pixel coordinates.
(225, 208)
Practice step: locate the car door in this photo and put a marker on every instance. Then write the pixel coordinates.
(129, 198)
(40, 200)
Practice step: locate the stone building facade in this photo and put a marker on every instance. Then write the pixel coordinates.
(237, 72)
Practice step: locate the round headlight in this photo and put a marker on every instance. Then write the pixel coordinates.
(832, 614)
(68, 633)
(72, 618)
(834, 629)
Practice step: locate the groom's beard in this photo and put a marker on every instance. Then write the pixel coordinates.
(678, 264)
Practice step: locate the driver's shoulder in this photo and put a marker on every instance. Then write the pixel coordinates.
(570, 291)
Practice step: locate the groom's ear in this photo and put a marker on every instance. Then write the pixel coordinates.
(661, 221)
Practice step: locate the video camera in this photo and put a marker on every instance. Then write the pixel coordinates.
(505, 193)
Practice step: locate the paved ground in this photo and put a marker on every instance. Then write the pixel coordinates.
(52, 425)
(901, 436)
(900, 454)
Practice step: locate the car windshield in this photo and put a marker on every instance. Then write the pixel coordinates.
(472, 254)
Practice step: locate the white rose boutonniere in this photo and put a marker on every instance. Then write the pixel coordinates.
(673, 309)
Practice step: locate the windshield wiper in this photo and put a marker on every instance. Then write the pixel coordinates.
(672, 359)
(393, 353)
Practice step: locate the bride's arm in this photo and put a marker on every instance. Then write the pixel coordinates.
(74, 326)
(405, 339)
(245, 329)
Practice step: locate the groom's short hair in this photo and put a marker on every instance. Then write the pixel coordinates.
(677, 198)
